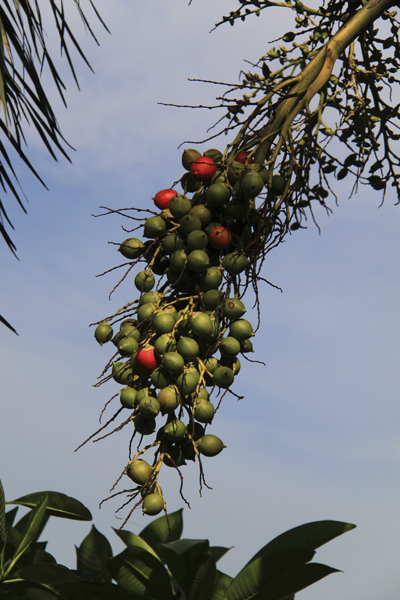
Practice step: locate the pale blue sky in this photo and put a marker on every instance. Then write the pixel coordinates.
(316, 436)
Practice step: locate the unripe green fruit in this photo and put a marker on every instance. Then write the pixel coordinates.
(212, 299)
(160, 265)
(160, 378)
(233, 308)
(229, 347)
(117, 338)
(215, 154)
(175, 430)
(168, 399)
(198, 261)
(188, 348)
(152, 488)
(154, 227)
(210, 279)
(177, 261)
(163, 323)
(197, 240)
(145, 312)
(144, 426)
(289, 36)
(211, 226)
(217, 194)
(184, 324)
(127, 397)
(235, 172)
(189, 184)
(278, 184)
(122, 373)
(150, 298)
(233, 363)
(150, 248)
(188, 451)
(103, 333)
(129, 329)
(127, 346)
(246, 346)
(139, 471)
(210, 445)
(172, 242)
(176, 454)
(204, 412)
(152, 504)
(189, 223)
(165, 343)
(241, 329)
(203, 213)
(251, 184)
(211, 364)
(149, 407)
(195, 430)
(234, 263)
(142, 393)
(223, 377)
(188, 381)
(189, 155)
(202, 394)
(173, 362)
(201, 324)
(179, 206)
(131, 248)
(145, 281)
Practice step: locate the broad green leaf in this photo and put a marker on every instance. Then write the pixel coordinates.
(93, 554)
(3, 528)
(178, 556)
(10, 515)
(90, 591)
(309, 536)
(13, 536)
(59, 505)
(221, 583)
(41, 556)
(131, 539)
(161, 530)
(294, 581)
(217, 552)
(36, 592)
(139, 572)
(200, 577)
(21, 524)
(262, 571)
(47, 573)
(30, 531)
(101, 591)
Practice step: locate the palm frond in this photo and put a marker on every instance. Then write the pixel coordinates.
(23, 57)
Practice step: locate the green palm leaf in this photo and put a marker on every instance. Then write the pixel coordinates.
(23, 56)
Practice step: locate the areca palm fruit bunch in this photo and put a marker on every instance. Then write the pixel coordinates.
(180, 340)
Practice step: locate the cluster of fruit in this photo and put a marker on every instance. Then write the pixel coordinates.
(197, 247)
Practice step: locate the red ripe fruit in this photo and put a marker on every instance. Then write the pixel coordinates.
(147, 359)
(163, 198)
(219, 237)
(203, 168)
(242, 158)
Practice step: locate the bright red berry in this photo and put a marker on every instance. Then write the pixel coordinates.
(242, 158)
(147, 359)
(163, 198)
(203, 168)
